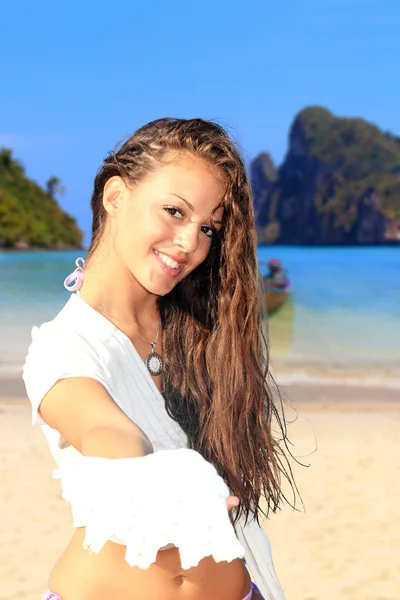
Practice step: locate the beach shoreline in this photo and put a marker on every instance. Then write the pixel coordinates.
(308, 393)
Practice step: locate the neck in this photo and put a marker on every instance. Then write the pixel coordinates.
(109, 284)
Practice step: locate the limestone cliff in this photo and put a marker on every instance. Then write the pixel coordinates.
(339, 184)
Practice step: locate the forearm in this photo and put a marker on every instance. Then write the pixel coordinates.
(110, 442)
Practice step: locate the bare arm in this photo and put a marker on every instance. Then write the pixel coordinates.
(82, 410)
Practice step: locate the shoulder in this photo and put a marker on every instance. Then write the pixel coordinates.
(51, 345)
(74, 329)
(55, 341)
(68, 346)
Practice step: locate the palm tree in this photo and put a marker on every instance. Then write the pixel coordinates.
(6, 157)
(54, 186)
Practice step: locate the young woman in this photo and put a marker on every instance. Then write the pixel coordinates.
(152, 381)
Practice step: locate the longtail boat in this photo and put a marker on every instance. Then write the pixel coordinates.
(276, 286)
(275, 297)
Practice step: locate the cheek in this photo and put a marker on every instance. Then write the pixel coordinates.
(205, 248)
(201, 253)
(140, 230)
(162, 230)
(126, 233)
(157, 227)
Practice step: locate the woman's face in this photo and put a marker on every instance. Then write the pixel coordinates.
(162, 229)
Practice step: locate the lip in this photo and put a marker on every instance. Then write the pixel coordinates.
(181, 261)
(168, 270)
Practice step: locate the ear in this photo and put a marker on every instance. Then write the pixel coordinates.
(113, 194)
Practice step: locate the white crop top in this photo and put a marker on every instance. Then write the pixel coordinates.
(79, 341)
(121, 497)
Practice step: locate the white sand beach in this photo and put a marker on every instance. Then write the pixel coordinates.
(345, 546)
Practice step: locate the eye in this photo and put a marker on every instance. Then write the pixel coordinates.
(208, 231)
(177, 213)
(172, 210)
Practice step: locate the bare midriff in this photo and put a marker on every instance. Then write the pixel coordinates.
(82, 574)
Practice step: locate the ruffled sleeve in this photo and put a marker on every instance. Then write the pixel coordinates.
(169, 497)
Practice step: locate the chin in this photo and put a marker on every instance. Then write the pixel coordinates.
(159, 289)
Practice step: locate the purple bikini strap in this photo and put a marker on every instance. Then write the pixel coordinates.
(76, 277)
(250, 594)
(50, 596)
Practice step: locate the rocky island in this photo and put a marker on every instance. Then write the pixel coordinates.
(338, 184)
(30, 216)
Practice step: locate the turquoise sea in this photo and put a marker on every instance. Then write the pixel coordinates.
(342, 323)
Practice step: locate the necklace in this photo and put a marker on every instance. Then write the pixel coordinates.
(153, 361)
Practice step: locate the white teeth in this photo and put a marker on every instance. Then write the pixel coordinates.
(168, 261)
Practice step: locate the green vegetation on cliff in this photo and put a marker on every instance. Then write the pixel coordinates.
(29, 215)
(359, 154)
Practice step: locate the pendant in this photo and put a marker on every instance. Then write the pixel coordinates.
(154, 362)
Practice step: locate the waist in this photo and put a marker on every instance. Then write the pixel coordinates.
(85, 575)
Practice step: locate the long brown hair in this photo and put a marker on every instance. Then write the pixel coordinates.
(216, 379)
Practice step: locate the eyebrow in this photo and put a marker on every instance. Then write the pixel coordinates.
(191, 206)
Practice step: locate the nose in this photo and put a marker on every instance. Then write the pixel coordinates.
(188, 239)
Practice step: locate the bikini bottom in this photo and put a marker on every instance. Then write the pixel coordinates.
(51, 596)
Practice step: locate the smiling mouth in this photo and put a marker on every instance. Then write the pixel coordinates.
(170, 266)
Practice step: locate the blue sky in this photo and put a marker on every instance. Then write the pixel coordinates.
(76, 77)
